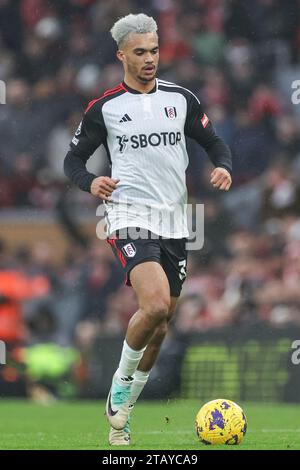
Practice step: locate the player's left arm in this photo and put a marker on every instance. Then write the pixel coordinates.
(199, 128)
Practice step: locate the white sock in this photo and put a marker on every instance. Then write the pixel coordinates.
(129, 361)
(140, 380)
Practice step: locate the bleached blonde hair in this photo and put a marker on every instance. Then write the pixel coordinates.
(140, 24)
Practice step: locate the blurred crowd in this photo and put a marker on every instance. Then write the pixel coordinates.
(240, 58)
(55, 56)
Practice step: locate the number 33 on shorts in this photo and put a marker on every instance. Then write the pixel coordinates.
(182, 266)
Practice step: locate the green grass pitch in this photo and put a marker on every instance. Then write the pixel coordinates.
(167, 425)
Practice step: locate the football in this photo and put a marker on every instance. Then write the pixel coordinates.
(221, 422)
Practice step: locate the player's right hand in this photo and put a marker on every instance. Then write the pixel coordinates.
(103, 186)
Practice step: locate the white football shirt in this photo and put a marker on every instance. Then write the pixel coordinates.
(145, 139)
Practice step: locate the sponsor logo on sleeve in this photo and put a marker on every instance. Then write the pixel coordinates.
(204, 120)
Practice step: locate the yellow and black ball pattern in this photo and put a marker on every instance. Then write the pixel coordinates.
(221, 422)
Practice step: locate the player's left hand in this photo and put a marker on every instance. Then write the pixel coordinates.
(220, 178)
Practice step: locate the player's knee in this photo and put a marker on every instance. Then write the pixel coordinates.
(157, 310)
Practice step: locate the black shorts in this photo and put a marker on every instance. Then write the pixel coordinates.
(170, 253)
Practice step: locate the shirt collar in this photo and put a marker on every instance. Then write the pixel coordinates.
(136, 92)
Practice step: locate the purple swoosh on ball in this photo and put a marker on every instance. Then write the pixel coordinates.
(217, 420)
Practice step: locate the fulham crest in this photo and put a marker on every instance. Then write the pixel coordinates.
(171, 112)
(129, 250)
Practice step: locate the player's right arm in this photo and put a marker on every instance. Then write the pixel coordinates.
(91, 133)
